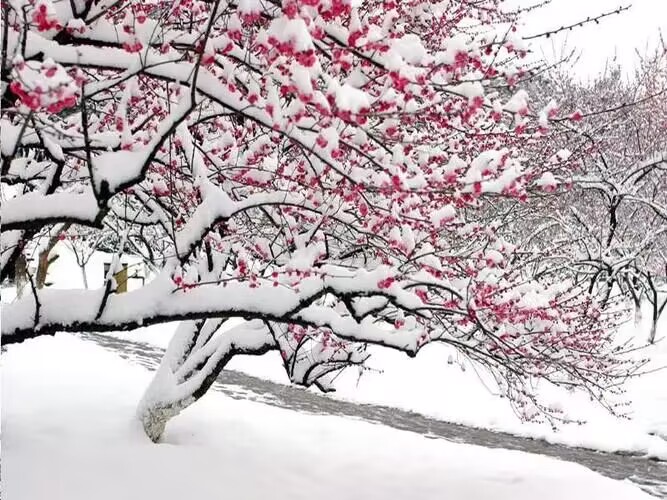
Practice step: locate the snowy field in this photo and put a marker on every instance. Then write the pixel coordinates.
(439, 384)
(69, 433)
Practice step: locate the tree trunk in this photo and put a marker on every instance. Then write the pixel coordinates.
(194, 359)
(43, 264)
(84, 276)
(656, 309)
(154, 417)
(175, 386)
(654, 331)
(20, 274)
(44, 260)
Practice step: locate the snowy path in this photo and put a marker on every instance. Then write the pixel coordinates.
(649, 474)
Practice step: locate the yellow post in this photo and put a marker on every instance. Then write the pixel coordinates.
(121, 277)
(121, 280)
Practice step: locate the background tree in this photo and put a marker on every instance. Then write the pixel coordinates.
(607, 225)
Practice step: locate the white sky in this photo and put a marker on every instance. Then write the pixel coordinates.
(619, 34)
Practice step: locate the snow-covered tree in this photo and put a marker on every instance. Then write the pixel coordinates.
(320, 169)
(609, 226)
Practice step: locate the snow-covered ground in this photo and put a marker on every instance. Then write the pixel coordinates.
(69, 433)
(456, 392)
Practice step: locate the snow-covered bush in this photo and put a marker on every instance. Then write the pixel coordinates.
(323, 169)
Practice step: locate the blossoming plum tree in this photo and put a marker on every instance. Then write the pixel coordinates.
(315, 168)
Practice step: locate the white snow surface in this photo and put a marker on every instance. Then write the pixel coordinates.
(69, 433)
